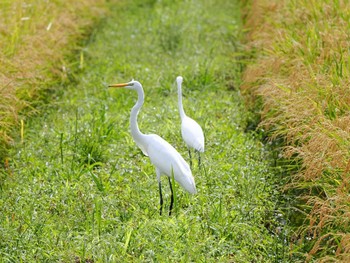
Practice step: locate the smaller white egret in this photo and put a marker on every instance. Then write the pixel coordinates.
(163, 156)
(191, 131)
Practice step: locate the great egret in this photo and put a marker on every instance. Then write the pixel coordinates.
(163, 156)
(191, 132)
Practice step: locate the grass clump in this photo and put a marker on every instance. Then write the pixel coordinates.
(79, 189)
(301, 74)
(36, 37)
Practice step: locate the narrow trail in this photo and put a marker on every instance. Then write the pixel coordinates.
(80, 189)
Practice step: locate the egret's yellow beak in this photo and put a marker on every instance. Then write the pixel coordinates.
(120, 85)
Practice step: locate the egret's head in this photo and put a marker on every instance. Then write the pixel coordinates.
(134, 84)
(179, 80)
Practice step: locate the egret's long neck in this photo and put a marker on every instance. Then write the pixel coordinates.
(134, 127)
(179, 94)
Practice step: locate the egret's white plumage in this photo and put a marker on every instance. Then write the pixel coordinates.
(192, 134)
(191, 131)
(162, 155)
(166, 159)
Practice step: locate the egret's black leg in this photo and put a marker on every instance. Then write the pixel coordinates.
(189, 153)
(171, 197)
(199, 158)
(161, 198)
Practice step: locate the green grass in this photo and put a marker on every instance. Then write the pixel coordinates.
(34, 50)
(79, 189)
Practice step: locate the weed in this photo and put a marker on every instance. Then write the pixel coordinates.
(303, 80)
(33, 50)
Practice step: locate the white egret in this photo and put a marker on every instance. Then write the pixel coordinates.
(191, 131)
(163, 156)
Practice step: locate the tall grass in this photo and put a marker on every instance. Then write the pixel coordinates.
(35, 38)
(302, 75)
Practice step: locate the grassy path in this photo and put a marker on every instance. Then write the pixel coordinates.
(78, 188)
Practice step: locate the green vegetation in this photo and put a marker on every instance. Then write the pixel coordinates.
(302, 75)
(35, 38)
(74, 186)
(77, 188)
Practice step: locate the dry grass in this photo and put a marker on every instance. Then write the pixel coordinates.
(35, 37)
(302, 75)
